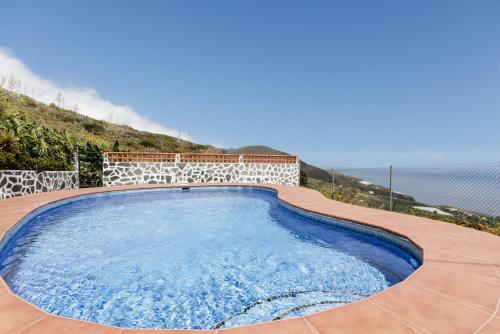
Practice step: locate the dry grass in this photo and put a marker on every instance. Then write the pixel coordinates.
(86, 129)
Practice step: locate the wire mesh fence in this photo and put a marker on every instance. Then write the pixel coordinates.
(473, 187)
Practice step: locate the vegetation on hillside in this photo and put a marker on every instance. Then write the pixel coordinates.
(25, 144)
(348, 190)
(85, 129)
(36, 136)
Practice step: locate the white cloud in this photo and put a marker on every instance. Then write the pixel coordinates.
(87, 99)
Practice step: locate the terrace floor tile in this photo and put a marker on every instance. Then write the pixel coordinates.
(434, 312)
(491, 327)
(16, 314)
(358, 318)
(59, 325)
(478, 267)
(462, 287)
(291, 326)
(166, 331)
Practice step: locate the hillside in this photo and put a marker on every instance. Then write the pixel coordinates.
(85, 129)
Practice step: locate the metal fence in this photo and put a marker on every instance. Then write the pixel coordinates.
(473, 187)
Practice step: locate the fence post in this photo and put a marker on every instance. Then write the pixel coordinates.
(390, 188)
(333, 183)
(77, 161)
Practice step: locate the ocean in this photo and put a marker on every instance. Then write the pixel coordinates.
(473, 187)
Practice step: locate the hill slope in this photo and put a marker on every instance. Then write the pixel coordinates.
(85, 129)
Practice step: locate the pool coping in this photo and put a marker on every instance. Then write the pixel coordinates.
(456, 290)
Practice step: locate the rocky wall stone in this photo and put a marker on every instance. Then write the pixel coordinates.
(121, 173)
(24, 182)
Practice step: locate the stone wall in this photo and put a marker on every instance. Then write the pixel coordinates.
(121, 173)
(23, 182)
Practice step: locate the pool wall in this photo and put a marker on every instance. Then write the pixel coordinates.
(396, 242)
(179, 168)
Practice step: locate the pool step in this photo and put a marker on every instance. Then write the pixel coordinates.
(288, 305)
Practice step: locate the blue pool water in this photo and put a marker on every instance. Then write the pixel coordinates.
(202, 258)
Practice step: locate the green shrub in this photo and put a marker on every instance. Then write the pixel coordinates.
(303, 178)
(29, 102)
(90, 165)
(9, 142)
(67, 117)
(94, 127)
(149, 142)
(8, 161)
(34, 146)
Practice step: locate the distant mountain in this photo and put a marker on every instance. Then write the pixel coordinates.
(310, 170)
(256, 149)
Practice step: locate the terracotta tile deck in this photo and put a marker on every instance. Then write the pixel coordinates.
(456, 290)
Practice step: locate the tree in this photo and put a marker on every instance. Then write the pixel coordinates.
(116, 146)
(303, 178)
(90, 165)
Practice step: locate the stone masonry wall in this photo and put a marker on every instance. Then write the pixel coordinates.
(121, 173)
(23, 182)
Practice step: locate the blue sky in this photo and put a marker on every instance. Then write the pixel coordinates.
(352, 83)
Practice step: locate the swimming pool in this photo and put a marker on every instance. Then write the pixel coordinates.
(198, 258)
